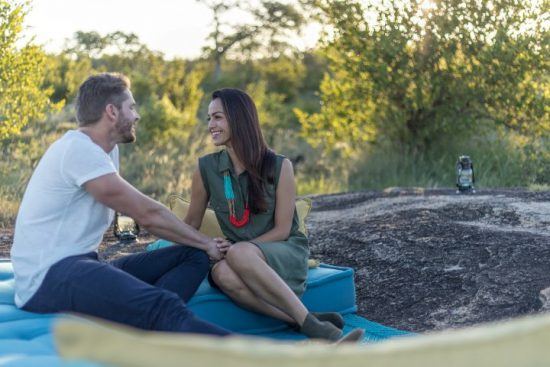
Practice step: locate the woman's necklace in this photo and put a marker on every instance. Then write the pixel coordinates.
(230, 197)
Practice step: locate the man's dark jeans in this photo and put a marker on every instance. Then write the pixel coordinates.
(146, 290)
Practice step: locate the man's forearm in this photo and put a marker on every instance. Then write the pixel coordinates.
(164, 224)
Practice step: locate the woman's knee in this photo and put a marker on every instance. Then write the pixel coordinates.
(226, 278)
(242, 255)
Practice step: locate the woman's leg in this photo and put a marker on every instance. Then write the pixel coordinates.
(249, 263)
(232, 285)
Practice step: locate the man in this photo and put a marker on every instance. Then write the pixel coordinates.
(69, 203)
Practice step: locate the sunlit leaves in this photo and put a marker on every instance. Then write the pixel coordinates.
(21, 74)
(414, 73)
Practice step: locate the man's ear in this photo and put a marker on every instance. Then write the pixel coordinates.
(112, 111)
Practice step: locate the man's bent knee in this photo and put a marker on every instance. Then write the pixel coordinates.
(192, 255)
(166, 313)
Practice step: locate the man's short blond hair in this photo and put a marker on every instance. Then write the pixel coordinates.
(96, 93)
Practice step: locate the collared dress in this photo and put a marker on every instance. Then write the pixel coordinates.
(288, 258)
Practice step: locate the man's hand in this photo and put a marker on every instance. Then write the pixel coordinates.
(213, 251)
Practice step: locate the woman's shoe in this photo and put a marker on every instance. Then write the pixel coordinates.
(354, 336)
(333, 317)
(315, 329)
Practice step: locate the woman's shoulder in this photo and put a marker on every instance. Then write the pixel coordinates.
(280, 162)
(210, 159)
(279, 158)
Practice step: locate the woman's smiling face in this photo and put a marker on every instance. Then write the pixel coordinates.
(218, 125)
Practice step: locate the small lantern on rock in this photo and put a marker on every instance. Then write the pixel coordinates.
(465, 175)
(125, 228)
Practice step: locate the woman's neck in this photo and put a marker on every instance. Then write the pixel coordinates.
(237, 164)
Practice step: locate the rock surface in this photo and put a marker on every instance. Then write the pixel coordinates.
(431, 259)
(426, 259)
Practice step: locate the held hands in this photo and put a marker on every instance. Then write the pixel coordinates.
(223, 244)
(217, 248)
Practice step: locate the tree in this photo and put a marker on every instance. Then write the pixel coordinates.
(416, 71)
(267, 34)
(22, 99)
(93, 44)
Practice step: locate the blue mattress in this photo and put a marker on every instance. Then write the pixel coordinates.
(26, 339)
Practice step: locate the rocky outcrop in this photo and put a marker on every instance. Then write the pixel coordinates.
(432, 259)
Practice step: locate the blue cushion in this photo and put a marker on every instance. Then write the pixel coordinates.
(22, 360)
(329, 288)
(26, 339)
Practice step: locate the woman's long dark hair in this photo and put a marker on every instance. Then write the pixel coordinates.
(249, 144)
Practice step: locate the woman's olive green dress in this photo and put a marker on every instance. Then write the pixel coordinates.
(288, 258)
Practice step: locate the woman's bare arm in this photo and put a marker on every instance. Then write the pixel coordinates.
(285, 204)
(199, 201)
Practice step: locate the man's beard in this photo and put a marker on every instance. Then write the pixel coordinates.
(124, 129)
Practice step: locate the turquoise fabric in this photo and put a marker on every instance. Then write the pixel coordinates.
(216, 307)
(26, 339)
(374, 332)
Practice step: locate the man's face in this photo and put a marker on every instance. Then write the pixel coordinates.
(127, 119)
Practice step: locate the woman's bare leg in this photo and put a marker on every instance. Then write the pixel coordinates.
(249, 263)
(236, 289)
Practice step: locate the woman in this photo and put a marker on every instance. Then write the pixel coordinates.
(252, 192)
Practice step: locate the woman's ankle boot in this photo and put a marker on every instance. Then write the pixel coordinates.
(333, 317)
(313, 328)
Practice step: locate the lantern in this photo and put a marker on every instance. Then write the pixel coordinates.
(125, 228)
(465, 175)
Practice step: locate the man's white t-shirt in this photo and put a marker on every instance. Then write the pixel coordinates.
(57, 217)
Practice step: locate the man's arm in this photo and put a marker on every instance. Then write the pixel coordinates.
(116, 193)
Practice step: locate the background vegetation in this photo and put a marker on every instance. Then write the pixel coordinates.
(392, 94)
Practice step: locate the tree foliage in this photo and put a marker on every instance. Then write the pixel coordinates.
(167, 91)
(22, 98)
(415, 71)
(267, 34)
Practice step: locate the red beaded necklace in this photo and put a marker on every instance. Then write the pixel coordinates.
(230, 197)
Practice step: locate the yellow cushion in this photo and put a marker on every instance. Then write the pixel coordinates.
(518, 342)
(210, 226)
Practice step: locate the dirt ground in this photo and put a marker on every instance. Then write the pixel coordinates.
(426, 259)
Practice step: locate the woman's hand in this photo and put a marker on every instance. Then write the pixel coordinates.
(217, 247)
(223, 245)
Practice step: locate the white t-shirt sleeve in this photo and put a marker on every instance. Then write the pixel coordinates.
(83, 161)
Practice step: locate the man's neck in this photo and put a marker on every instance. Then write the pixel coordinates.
(99, 136)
